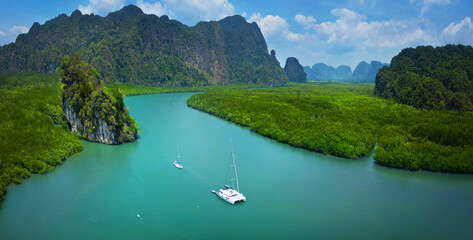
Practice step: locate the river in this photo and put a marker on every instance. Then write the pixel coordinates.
(291, 193)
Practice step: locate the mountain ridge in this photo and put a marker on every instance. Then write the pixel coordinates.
(364, 72)
(130, 46)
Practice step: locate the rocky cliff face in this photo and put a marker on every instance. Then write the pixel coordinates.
(101, 132)
(130, 46)
(94, 112)
(294, 70)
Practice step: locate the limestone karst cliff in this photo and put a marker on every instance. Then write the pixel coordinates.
(93, 111)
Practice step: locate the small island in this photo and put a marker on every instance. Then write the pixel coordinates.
(93, 111)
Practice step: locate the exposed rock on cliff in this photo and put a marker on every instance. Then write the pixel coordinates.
(94, 112)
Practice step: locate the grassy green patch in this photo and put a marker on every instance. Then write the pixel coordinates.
(33, 132)
(346, 120)
(131, 89)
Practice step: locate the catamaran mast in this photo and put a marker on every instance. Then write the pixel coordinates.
(234, 166)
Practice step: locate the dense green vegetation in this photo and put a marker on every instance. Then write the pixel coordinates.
(88, 104)
(133, 47)
(346, 120)
(438, 78)
(34, 136)
(131, 89)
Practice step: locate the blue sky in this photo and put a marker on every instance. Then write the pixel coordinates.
(342, 32)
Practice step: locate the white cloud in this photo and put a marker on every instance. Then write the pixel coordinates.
(2, 33)
(156, 8)
(86, 9)
(202, 9)
(351, 30)
(427, 3)
(189, 11)
(459, 33)
(275, 27)
(347, 14)
(18, 29)
(349, 39)
(101, 6)
(270, 25)
(306, 22)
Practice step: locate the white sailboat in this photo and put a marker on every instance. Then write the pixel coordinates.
(178, 163)
(229, 194)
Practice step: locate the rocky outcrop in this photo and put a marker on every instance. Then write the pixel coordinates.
(365, 72)
(294, 70)
(94, 112)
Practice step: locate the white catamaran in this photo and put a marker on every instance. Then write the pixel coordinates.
(178, 163)
(229, 194)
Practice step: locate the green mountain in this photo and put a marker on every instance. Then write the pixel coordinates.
(365, 72)
(294, 70)
(320, 71)
(430, 78)
(130, 46)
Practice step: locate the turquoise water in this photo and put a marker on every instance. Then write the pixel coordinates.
(291, 193)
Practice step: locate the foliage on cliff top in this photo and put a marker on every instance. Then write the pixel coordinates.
(82, 89)
(345, 120)
(130, 46)
(438, 78)
(33, 132)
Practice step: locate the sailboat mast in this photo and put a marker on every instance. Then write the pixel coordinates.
(234, 166)
(178, 154)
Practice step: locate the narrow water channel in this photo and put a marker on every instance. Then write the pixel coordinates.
(291, 193)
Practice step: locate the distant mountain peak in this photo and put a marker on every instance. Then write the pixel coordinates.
(321, 71)
(366, 72)
(131, 10)
(234, 18)
(294, 70)
(76, 13)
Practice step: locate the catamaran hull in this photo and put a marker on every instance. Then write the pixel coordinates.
(225, 199)
(231, 200)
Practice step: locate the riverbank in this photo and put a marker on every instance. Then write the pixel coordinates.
(291, 193)
(345, 120)
(34, 134)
